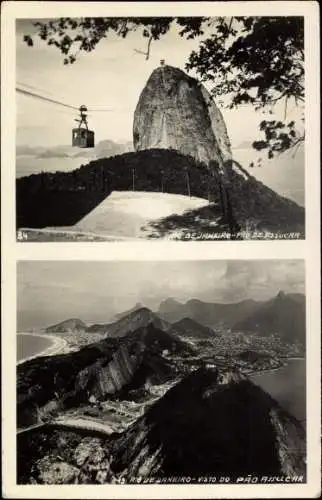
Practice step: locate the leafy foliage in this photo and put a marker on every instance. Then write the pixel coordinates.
(257, 61)
(263, 54)
(71, 35)
(279, 137)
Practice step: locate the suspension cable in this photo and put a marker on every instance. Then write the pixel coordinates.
(54, 101)
(38, 96)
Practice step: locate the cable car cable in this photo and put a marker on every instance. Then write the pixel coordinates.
(32, 87)
(38, 96)
(55, 101)
(82, 137)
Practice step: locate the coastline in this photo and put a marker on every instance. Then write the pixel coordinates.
(58, 346)
(282, 365)
(266, 370)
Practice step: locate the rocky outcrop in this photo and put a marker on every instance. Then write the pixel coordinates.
(138, 358)
(212, 422)
(56, 472)
(175, 111)
(106, 378)
(62, 457)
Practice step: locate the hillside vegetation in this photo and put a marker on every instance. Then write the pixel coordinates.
(64, 198)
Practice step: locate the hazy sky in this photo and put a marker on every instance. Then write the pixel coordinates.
(52, 291)
(112, 75)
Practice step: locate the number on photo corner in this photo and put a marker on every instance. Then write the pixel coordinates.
(22, 236)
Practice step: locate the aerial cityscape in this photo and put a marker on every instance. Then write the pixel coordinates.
(119, 401)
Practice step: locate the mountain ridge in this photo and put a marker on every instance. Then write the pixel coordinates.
(283, 314)
(129, 322)
(206, 313)
(187, 327)
(74, 324)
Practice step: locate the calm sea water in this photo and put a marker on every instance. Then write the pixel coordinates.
(31, 345)
(287, 386)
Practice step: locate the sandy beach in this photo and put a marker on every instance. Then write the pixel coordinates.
(58, 346)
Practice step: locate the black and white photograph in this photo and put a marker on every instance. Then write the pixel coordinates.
(160, 267)
(160, 128)
(182, 372)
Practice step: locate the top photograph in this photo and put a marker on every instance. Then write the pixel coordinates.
(160, 128)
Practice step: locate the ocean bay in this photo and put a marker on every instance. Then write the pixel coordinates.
(287, 385)
(32, 345)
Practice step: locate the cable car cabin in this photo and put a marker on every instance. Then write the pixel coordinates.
(83, 138)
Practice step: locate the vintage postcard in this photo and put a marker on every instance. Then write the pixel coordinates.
(185, 128)
(160, 269)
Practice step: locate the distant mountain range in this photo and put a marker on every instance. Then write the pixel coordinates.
(207, 313)
(103, 149)
(284, 314)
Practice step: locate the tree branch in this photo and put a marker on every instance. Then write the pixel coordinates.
(285, 109)
(147, 53)
(297, 144)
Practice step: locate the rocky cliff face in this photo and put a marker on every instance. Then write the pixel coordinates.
(176, 112)
(137, 359)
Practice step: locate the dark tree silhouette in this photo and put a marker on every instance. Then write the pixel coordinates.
(248, 60)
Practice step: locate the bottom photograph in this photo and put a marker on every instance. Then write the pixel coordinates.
(161, 372)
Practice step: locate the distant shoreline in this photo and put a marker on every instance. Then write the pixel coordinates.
(269, 370)
(265, 370)
(58, 346)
